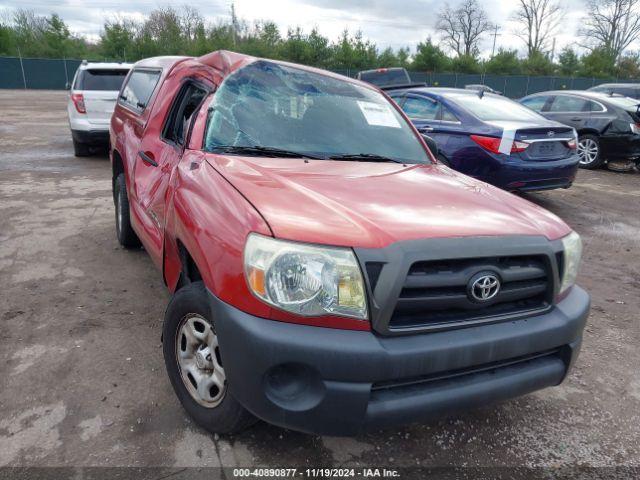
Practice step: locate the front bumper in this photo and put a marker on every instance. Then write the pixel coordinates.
(340, 382)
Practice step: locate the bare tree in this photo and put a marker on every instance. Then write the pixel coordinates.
(537, 21)
(462, 28)
(611, 24)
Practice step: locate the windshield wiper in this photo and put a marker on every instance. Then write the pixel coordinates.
(364, 157)
(260, 150)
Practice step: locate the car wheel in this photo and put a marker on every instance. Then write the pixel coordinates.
(589, 151)
(124, 231)
(81, 149)
(195, 366)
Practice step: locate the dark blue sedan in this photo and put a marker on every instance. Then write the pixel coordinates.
(492, 138)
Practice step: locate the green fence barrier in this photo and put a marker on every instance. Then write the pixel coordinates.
(53, 74)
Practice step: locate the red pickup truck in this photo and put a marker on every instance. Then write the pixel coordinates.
(328, 274)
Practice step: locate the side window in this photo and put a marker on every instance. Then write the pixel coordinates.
(447, 116)
(139, 88)
(184, 106)
(594, 107)
(565, 103)
(535, 103)
(421, 108)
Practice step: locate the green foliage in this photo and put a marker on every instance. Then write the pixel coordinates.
(466, 64)
(538, 64)
(568, 62)
(505, 62)
(599, 63)
(430, 58)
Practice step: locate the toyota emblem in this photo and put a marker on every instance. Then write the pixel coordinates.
(484, 286)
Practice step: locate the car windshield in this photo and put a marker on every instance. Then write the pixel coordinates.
(490, 108)
(100, 79)
(274, 106)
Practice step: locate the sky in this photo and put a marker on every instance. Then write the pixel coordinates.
(394, 23)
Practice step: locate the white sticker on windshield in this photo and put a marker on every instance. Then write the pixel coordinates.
(378, 114)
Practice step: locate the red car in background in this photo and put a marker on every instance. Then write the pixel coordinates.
(328, 275)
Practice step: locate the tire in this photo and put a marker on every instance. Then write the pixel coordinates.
(126, 236)
(81, 149)
(219, 412)
(589, 152)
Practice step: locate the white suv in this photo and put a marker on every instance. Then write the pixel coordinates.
(94, 92)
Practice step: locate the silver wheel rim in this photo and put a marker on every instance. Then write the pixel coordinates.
(199, 361)
(587, 151)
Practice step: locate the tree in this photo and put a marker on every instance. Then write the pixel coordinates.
(629, 66)
(505, 62)
(430, 57)
(598, 63)
(568, 62)
(117, 39)
(611, 25)
(462, 28)
(465, 64)
(538, 64)
(537, 21)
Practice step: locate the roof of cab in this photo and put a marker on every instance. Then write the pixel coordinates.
(227, 62)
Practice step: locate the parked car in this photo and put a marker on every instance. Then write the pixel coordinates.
(492, 138)
(482, 88)
(608, 126)
(631, 90)
(92, 98)
(387, 77)
(328, 275)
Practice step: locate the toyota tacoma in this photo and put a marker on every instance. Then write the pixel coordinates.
(327, 273)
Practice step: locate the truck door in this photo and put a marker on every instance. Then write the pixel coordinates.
(159, 153)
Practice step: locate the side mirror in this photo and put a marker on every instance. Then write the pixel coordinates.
(431, 143)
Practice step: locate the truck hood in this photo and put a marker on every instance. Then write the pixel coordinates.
(371, 205)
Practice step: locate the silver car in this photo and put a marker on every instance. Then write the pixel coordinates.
(92, 98)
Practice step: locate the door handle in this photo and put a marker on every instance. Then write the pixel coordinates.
(147, 159)
(425, 129)
(577, 119)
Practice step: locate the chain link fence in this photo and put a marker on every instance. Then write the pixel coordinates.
(55, 74)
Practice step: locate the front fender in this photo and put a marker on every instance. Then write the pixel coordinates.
(212, 220)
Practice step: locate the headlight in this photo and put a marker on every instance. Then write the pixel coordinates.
(304, 279)
(572, 247)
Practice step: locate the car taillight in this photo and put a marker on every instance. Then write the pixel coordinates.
(635, 128)
(492, 144)
(572, 144)
(78, 101)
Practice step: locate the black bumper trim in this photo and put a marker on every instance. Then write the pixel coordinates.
(91, 137)
(319, 380)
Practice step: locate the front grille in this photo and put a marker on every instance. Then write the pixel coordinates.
(436, 293)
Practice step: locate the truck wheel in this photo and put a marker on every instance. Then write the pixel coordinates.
(126, 236)
(589, 152)
(195, 366)
(81, 149)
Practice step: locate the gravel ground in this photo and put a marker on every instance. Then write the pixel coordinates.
(83, 381)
